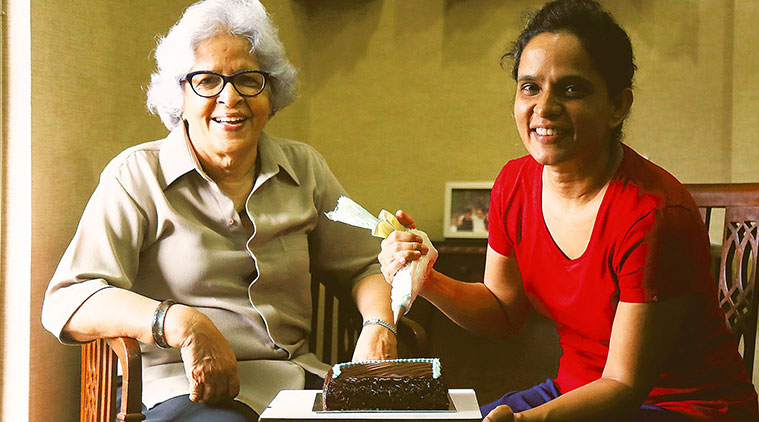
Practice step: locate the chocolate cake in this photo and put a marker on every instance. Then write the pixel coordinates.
(399, 384)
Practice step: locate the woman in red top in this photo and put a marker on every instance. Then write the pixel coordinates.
(597, 238)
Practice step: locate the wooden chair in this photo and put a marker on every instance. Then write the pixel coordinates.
(334, 331)
(738, 247)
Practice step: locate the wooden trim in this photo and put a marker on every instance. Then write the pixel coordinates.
(721, 194)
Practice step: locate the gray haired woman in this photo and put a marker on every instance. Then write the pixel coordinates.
(201, 245)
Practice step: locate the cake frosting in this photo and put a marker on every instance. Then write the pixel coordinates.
(398, 384)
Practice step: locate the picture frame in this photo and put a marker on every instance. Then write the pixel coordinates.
(466, 209)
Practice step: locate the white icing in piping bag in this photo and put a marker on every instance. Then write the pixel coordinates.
(407, 281)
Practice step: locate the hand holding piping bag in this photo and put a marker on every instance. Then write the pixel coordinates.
(408, 280)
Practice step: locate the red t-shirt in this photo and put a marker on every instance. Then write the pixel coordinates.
(648, 244)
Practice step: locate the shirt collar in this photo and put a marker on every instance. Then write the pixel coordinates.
(177, 158)
(272, 158)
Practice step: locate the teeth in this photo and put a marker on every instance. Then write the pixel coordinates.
(227, 120)
(542, 131)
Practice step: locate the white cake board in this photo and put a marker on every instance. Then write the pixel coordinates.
(298, 405)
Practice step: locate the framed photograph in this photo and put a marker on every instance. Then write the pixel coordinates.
(466, 209)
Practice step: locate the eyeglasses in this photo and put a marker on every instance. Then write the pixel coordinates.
(247, 83)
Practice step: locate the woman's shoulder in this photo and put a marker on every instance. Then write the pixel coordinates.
(139, 169)
(644, 193)
(522, 162)
(295, 149)
(300, 156)
(517, 185)
(144, 155)
(647, 181)
(517, 172)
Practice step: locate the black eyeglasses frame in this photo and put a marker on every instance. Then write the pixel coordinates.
(226, 79)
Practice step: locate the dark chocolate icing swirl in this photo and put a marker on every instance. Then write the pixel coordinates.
(388, 370)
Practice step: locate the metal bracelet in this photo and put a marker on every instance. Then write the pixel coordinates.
(382, 323)
(157, 324)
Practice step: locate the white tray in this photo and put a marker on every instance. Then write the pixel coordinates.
(298, 405)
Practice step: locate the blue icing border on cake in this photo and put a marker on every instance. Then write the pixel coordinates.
(337, 369)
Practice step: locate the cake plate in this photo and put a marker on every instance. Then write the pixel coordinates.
(299, 405)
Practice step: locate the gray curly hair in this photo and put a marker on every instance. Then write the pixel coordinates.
(175, 53)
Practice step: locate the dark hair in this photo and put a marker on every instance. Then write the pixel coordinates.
(606, 42)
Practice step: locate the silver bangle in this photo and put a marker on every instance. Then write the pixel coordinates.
(159, 316)
(382, 323)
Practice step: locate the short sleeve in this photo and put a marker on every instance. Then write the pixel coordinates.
(103, 253)
(664, 254)
(498, 238)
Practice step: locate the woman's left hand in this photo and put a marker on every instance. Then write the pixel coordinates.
(209, 362)
(375, 343)
(501, 413)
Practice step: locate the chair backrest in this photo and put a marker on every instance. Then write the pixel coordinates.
(738, 247)
(335, 323)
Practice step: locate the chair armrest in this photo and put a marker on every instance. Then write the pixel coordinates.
(128, 352)
(99, 373)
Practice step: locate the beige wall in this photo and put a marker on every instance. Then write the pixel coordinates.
(400, 96)
(745, 88)
(89, 61)
(403, 96)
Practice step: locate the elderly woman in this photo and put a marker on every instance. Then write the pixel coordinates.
(594, 236)
(202, 245)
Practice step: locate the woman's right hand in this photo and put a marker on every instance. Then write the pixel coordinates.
(400, 247)
(209, 363)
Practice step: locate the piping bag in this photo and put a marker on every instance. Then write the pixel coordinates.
(408, 280)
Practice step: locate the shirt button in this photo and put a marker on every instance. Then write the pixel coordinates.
(231, 221)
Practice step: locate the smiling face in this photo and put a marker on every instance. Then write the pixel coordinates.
(562, 107)
(227, 125)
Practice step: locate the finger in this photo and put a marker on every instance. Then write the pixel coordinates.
(227, 386)
(402, 236)
(406, 256)
(501, 413)
(210, 393)
(205, 390)
(220, 390)
(397, 262)
(420, 247)
(405, 219)
(388, 258)
(401, 252)
(412, 244)
(389, 269)
(196, 391)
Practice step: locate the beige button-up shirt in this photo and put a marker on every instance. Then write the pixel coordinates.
(158, 225)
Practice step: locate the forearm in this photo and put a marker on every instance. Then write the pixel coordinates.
(112, 313)
(123, 313)
(641, 339)
(372, 297)
(470, 305)
(601, 400)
